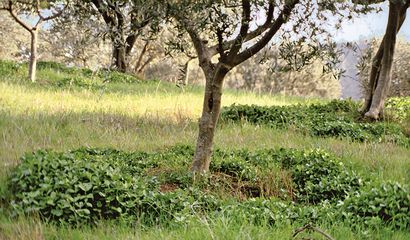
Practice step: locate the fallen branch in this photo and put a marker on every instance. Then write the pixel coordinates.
(310, 227)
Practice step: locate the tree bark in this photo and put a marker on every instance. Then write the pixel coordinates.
(381, 70)
(186, 72)
(119, 57)
(140, 57)
(33, 55)
(122, 50)
(209, 118)
(374, 75)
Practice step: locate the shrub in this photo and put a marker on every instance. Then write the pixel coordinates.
(9, 68)
(77, 186)
(117, 77)
(54, 66)
(260, 211)
(77, 81)
(335, 119)
(386, 203)
(233, 164)
(318, 176)
(398, 108)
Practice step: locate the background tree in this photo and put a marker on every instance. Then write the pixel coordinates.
(77, 42)
(264, 73)
(233, 31)
(400, 81)
(125, 22)
(37, 8)
(381, 70)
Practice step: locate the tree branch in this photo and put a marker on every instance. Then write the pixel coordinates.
(282, 18)
(243, 32)
(150, 58)
(367, 2)
(310, 227)
(142, 54)
(251, 35)
(53, 16)
(107, 18)
(16, 18)
(202, 50)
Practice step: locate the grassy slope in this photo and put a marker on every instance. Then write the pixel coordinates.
(151, 116)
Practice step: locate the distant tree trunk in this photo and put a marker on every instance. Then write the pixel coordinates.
(122, 43)
(186, 70)
(381, 71)
(122, 50)
(209, 118)
(184, 78)
(140, 65)
(33, 55)
(119, 58)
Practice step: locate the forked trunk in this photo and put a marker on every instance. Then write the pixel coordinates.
(33, 55)
(209, 120)
(381, 70)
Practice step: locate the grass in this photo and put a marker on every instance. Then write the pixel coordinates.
(151, 116)
(32, 229)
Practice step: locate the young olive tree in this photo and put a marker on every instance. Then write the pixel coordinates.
(36, 8)
(226, 33)
(381, 69)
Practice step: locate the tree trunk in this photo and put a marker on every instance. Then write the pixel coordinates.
(381, 70)
(186, 72)
(138, 64)
(374, 76)
(33, 55)
(119, 57)
(209, 119)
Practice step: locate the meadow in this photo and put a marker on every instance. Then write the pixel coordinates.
(69, 109)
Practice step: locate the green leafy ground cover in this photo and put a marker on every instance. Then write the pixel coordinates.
(88, 185)
(339, 119)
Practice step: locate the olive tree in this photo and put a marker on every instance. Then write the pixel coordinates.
(226, 33)
(36, 8)
(125, 22)
(381, 70)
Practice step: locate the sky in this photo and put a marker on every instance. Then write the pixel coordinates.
(368, 26)
(371, 25)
